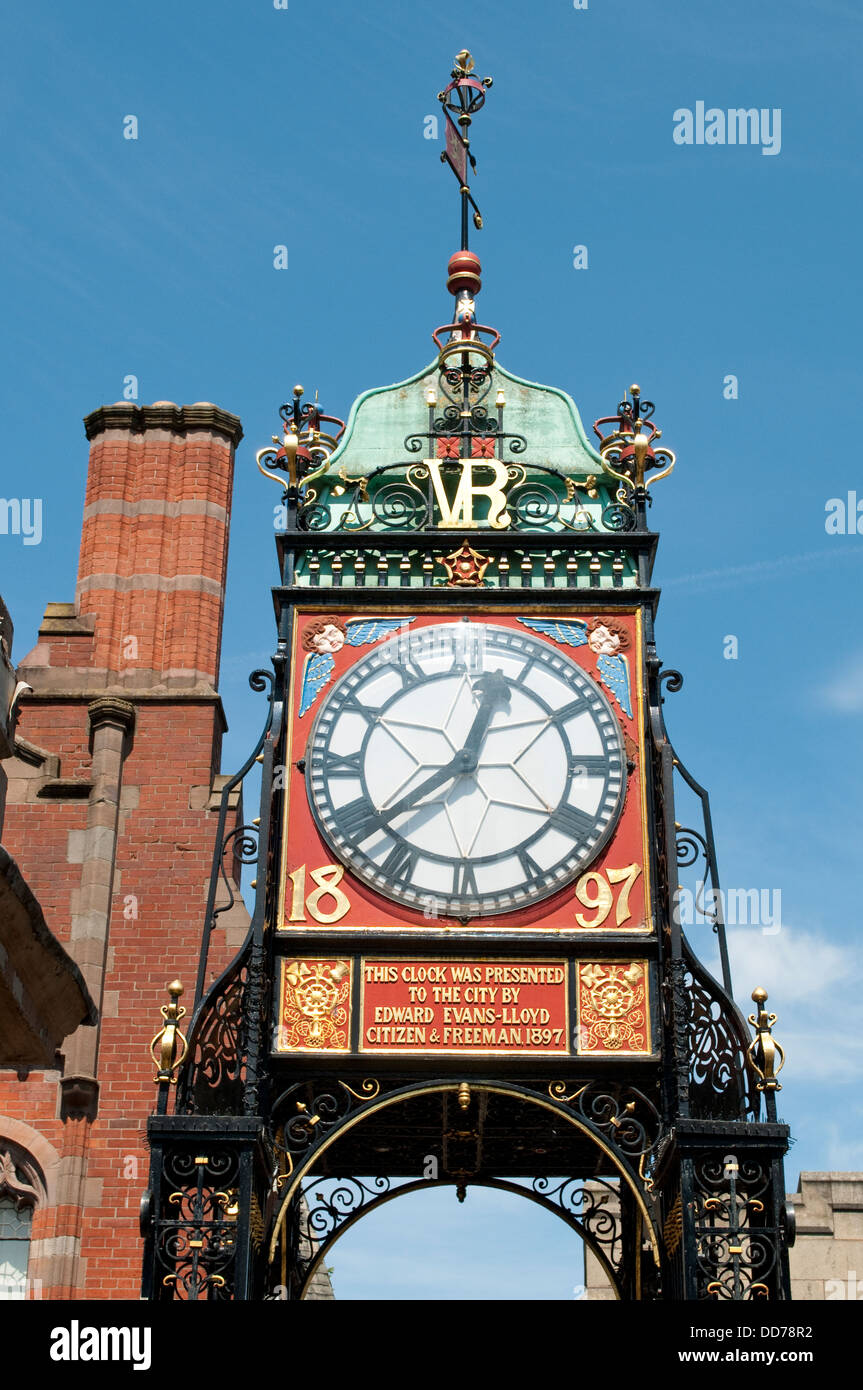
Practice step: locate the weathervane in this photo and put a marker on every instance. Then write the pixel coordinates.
(462, 99)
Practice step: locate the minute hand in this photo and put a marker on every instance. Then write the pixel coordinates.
(494, 689)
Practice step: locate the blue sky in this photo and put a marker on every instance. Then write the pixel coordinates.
(259, 127)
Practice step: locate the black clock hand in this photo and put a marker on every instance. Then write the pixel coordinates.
(493, 687)
(437, 779)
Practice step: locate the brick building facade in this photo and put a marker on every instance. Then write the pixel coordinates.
(115, 772)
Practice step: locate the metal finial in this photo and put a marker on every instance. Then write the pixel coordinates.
(460, 101)
(168, 1048)
(302, 452)
(629, 452)
(763, 1050)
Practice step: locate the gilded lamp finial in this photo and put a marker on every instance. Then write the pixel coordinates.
(629, 452)
(168, 1048)
(763, 1050)
(302, 452)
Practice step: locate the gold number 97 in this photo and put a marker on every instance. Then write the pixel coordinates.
(594, 890)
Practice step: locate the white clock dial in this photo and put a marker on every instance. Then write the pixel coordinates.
(466, 769)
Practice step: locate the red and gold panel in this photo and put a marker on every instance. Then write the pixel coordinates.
(314, 1006)
(485, 771)
(612, 1007)
(464, 1006)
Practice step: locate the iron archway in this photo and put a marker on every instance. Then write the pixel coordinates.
(321, 1130)
(343, 1221)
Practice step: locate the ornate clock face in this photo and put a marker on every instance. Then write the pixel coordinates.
(466, 770)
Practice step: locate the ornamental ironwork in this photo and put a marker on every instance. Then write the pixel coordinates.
(737, 1246)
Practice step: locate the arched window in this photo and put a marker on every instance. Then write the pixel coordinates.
(18, 1197)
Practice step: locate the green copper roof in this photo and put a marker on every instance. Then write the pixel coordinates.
(381, 419)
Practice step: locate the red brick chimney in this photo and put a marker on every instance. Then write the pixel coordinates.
(154, 551)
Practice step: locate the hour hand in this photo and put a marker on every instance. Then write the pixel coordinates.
(493, 688)
(444, 774)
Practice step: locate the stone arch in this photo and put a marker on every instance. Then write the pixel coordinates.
(33, 1151)
(23, 1191)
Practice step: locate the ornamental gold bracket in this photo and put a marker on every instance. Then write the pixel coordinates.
(763, 1050)
(628, 451)
(169, 1047)
(303, 452)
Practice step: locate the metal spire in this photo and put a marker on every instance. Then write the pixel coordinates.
(462, 99)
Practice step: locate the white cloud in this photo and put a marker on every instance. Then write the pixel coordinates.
(792, 965)
(844, 692)
(804, 974)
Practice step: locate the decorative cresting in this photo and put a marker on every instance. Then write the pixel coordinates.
(737, 1244)
(472, 473)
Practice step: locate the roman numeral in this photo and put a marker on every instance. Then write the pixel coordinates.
(525, 671)
(342, 765)
(400, 863)
(529, 867)
(410, 671)
(464, 880)
(356, 706)
(572, 822)
(358, 820)
(591, 765)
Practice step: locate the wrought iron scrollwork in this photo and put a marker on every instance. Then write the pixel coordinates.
(692, 844)
(533, 504)
(212, 1080)
(628, 1119)
(540, 498)
(326, 1207)
(595, 1205)
(720, 1082)
(215, 1073)
(195, 1246)
(259, 681)
(619, 516)
(672, 679)
(691, 847)
(305, 1112)
(314, 516)
(737, 1250)
(401, 506)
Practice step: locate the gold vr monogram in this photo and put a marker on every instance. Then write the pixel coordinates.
(458, 514)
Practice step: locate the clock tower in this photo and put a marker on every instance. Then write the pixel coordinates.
(466, 963)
